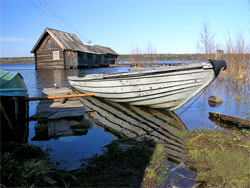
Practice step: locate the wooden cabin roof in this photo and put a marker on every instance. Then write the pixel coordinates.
(105, 50)
(101, 49)
(93, 49)
(66, 41)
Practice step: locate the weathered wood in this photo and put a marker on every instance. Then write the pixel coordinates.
(54, 110)
(240, 123)
(56, 45)
(50, 64)
(71, 59)
(60, 97)
(44, 54)
(219, 54)
(47, 43)
(160, 88)
(14, 116)
(8, 120)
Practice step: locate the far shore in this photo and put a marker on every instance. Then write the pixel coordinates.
(15, 60)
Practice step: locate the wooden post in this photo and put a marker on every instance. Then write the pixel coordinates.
(219, 54)
(35, 61)
(8, 120)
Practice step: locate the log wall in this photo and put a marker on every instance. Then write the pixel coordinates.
(49, 54)
(71, 59)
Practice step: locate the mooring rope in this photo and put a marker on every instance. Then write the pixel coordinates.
(195, 99)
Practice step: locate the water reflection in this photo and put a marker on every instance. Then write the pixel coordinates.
(47, 77)
(126, 121)
(45, 130)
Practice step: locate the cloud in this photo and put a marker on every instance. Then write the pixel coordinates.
(15, 40)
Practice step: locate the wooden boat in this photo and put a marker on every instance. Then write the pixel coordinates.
(12, 84)
(168, 87)
(14, 109)
(127, 121)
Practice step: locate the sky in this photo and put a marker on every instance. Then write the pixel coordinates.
(167, 26)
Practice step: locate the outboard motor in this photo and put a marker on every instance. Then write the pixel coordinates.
(218, 65)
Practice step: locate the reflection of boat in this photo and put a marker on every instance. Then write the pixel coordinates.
(125, 121)
(168, 88)
(14, 107)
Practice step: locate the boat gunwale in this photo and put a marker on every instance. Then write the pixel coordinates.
(137, 73)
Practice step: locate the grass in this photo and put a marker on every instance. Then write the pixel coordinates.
(237, 70)
(156, 172)
(220, 157)
(127, 163)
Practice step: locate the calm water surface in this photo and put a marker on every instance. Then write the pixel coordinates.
(69, 151)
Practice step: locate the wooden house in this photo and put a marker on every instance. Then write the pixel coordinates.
(58, 49)
(110, 55)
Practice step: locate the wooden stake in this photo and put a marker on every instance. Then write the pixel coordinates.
(60, 97)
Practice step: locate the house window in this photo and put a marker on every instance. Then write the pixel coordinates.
(56, 55)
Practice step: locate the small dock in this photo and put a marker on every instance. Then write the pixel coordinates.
(59, 117)
(58, 108)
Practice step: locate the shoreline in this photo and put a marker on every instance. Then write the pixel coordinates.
(17, 60)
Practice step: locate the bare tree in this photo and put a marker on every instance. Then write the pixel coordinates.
(206, 42)
(150, 52)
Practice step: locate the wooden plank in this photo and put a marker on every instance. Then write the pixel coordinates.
(50, 64)
(71, 59)
(48, 45)
(240, 123)
(60, 97)
(8, 120)
(51, 60)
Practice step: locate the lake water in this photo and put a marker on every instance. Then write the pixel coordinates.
(70, 151)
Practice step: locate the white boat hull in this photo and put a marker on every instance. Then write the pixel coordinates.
(168, 88)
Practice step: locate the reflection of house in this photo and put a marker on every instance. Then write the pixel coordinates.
(58, 49)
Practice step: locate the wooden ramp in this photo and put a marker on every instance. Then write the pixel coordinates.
(59, 117)
(58, 108)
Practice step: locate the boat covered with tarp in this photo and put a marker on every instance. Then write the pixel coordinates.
(14, 108)
(12, 84)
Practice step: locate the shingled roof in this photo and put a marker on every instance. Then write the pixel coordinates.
(93, 49)
(68, 41)
(105, 50)
(65, 40)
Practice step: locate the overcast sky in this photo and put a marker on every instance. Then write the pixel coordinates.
(169, 26)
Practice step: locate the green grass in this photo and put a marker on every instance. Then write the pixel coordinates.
(138, 163)
(220, 157)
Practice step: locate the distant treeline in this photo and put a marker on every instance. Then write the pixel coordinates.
(13, 60)
(142, 57)
(170, 57)
(160, 57)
